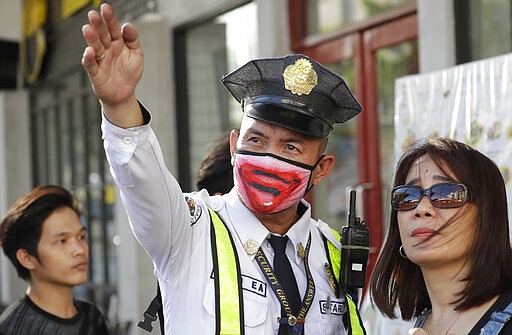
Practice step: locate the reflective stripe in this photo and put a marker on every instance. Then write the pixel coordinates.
(335, 255)
(356, 325)
(229, 297)
(229, 303)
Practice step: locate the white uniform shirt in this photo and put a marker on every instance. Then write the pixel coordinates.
(174, 229)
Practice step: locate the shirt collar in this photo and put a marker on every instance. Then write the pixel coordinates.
(298, 233)
(248, 227)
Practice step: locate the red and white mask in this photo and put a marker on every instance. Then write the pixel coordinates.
(268, 183)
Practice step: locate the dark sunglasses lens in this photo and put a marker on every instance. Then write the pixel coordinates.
(448, 195)
(405, 197)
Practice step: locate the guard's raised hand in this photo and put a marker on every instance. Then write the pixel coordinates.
(113, 60)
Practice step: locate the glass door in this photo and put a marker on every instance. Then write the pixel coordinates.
(330, 198)
(370, 56)
(389, 51)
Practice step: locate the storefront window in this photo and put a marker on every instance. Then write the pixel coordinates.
(324, 16)
(484, 29)
(392, 62)
(331, 196)
(67, 151)
(204, 54)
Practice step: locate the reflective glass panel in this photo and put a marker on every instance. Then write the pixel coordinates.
(213, 49)
(392, 62)
(324, 16)
(331, 196)
(491, 28)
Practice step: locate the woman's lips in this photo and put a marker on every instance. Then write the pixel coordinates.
(422, 232)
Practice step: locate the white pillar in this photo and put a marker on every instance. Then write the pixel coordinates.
(15, 173)
(273, 32)
(436, 34)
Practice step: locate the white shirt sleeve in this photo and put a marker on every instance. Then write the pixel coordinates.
(158, 213)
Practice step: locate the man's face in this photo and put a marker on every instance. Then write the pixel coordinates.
(260, 136)
(63, 251)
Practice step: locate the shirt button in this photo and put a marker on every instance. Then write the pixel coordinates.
(127, 140)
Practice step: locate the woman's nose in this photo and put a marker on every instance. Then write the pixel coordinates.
(424, 207)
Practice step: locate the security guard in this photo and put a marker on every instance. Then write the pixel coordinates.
(257, 247)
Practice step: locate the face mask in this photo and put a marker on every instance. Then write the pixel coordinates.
(268, 183)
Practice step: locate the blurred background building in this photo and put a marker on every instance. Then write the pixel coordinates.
(49, 117)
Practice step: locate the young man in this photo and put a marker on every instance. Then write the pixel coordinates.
(43, 237)
(252, 261)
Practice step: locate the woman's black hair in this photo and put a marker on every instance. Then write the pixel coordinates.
(396, 281)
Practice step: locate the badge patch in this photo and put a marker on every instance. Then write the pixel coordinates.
(332, 307)
(195, 210)
(254, 285)
(251, 246)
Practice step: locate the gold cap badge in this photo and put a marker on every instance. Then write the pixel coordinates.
(300, 78)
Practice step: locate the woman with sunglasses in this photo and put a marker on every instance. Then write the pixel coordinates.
(447, 259)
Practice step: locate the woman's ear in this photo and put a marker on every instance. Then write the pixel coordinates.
(322, 169)
(26, 260)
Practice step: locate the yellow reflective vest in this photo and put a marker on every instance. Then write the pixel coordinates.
(226, 267)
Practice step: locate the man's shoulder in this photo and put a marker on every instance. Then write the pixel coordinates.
(12, 307)
(90, 310)
(202, 199)
(321, 226)
(13, 313)
(92, 316)
(326, 231)
(85, 304)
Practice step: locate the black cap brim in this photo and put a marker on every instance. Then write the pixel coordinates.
(283, 115)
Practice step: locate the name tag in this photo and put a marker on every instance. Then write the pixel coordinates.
(254, 285)
(332, 307)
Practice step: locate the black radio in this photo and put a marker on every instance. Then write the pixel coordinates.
(355, 244)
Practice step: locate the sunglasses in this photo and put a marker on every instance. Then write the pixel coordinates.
(443, 195)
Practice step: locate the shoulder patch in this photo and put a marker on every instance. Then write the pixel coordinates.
(195, 210)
